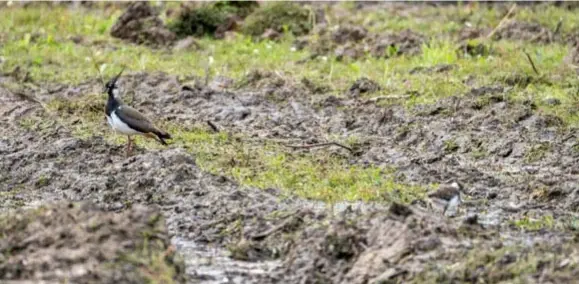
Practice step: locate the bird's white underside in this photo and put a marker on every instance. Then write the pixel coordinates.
(455, 201)
(119, 126)
(451, 204)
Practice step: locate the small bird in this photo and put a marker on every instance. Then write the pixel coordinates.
(447, 196)
(127, 120)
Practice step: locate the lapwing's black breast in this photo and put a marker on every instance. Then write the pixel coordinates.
(112, 105)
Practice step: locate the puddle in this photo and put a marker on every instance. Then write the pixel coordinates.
(205, 264)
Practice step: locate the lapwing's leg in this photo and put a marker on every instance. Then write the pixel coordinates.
(129, 145)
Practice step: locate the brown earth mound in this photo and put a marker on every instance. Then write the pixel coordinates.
(82, 244)
(405, 42)
(349, 41)
(532, 32)
(140, 24)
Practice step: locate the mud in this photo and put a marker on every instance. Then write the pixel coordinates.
(514, 162)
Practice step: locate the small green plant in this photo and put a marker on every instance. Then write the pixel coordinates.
(450, 146)
(537, 152)
(534, 224)
(43, 181)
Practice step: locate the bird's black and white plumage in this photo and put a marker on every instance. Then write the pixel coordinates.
(127, 120)
(447, 196)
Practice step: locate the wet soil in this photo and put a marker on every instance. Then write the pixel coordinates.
(514, 162)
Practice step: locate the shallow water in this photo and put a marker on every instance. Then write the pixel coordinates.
(205, 264)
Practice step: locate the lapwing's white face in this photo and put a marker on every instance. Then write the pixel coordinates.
(113, 88)
(116, 92)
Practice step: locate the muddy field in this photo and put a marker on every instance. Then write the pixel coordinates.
(75, 207)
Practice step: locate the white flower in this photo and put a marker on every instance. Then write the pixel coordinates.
(293, 49)
(211, 60)
(255, 51)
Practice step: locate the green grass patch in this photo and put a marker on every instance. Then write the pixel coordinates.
(532, 222)
(535, 224)
(537, 152)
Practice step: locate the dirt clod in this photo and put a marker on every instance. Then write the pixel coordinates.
(140, 24)
(405, 42)
(349, 33)
(362, 86)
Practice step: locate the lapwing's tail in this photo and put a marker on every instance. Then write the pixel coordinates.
(162, 136)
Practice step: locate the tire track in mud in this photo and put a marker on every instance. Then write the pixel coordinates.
(309, 243)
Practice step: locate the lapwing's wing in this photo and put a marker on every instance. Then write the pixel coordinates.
(136, 120)
(444, 192)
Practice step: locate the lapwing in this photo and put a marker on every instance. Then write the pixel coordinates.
(127, 120)
(446, 196)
